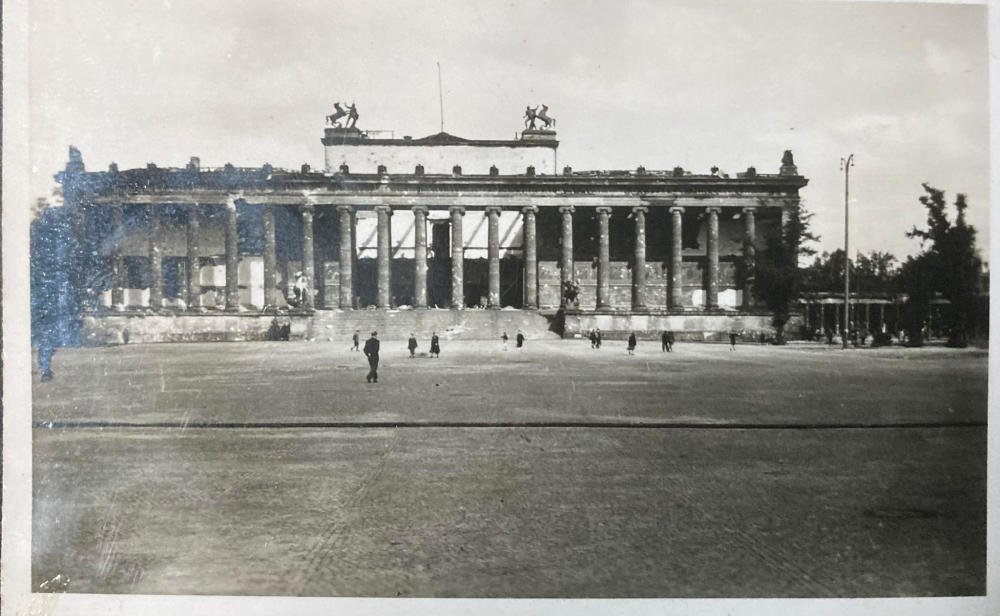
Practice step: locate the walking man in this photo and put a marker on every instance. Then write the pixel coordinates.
(412, 344)
(357, 339)
(597, 337)
(664, 342)
(631, 343)
(520, 339)
(371, 352)
(503, 339)
(732, 341)
(670, 341)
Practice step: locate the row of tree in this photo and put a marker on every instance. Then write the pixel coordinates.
(948, 266)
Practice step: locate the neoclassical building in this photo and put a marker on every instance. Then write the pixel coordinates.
(440, 225)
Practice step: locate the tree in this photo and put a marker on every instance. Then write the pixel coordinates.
(778, 276)
(949, 265)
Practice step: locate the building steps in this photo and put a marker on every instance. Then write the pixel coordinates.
(470, 324)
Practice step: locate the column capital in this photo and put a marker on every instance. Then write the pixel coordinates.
(640, 209)
(566, 209)
(713, 210)
(307, 208)
(384, 208)
(752, 209)
(604, 210)
(345, 208)
(419, 209)
(529, 208)
(676, 209)
(457, 209)
(493, 209)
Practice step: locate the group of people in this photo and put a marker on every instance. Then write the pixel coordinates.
(372, 347)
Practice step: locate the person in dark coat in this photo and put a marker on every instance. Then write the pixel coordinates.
(631, 343)
(597, 336)
(503, 340)
(520, 339)
(732, 341)
(371, 352)
(357, 340)
(435, 345)
(593, 338)
(664, 344)
(670, 341)
(412, 344)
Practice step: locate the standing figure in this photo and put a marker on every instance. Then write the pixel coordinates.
(670, 341)
(732, 341)
(45, 353)
(356, 338)
(435, 345)
(503, 340)
(597, 336)
(371, 352)
(593, 338)
(664, 344)
(520, 339)
(631, 343)
(412, 344)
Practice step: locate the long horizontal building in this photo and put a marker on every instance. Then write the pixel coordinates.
(421, 233)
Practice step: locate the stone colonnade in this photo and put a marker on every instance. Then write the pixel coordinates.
(347, 219)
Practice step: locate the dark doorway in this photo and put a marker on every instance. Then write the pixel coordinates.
(439, 266)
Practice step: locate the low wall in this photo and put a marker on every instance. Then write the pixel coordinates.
(138, 328)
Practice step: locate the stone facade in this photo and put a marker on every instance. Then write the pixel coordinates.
(645, 250)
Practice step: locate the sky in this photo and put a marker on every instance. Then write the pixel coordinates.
(902, 86)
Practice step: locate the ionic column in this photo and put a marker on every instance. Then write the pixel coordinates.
(457, 259)
(384, 255)
(567, 249)
(712, 292)
(118, 273)
(232, 258)
(346, 297)
(676, 259)
(155, 260)
(603, 257)
(639, 263)
(493, 256)
(308, 256)
(749, 255)
(530, 258)
(270, 259)
(419, 256)
(193, 271)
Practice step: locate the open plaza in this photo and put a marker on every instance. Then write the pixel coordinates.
(553, 470)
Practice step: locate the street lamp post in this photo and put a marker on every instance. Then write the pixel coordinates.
(845, 165)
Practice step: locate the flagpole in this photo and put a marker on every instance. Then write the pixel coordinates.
(440, 97)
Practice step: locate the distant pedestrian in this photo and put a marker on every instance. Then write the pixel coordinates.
(670, 341)
(593, 338)
(631, 343)
(503, 340)
(664, 345)
(357, 340)
(435, 345)
(597, 334)
(519, 339)
(732, 341)
(371, 352)
(412, 344)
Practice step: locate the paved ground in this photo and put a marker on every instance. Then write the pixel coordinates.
(551, 471)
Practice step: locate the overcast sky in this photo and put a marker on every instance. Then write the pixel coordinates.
(902, 86)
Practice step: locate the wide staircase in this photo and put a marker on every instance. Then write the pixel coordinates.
(471, 324)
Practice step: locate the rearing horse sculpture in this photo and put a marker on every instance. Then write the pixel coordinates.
(339, 113)
(530, 115)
